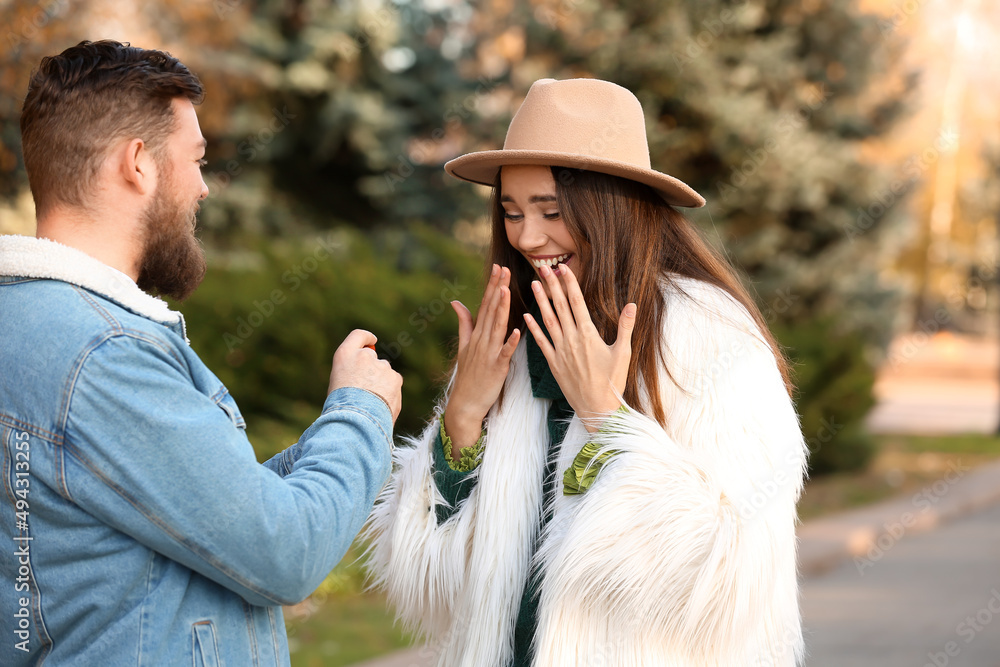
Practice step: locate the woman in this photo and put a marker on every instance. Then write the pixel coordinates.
(617, 485)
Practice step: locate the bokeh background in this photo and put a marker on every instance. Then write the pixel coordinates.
(848, 149)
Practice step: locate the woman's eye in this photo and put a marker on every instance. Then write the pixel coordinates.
(203, 162)
(513, 217)
(551, 216)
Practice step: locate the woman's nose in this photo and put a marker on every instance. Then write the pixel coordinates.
(532, 234)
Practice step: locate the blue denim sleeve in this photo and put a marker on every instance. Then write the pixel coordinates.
(283, 462)
(154, 457)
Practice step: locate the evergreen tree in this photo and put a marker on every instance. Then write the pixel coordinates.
(371, 100)
(764, 108)
(323, 113)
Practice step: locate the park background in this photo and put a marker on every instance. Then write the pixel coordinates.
(848, 150)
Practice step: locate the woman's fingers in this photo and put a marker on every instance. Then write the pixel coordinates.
(488, 291)
(559, 302)
(549, 317)
(547, 350)
(626, 325)
(507, 351)
(488, 309)
(574, 296)
(464, 323)
(501, 315)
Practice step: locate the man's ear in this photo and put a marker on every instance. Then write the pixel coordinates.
(137, 166)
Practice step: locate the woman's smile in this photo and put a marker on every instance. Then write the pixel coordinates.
(551, 261)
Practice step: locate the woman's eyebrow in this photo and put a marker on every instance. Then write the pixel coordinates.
(533, 199)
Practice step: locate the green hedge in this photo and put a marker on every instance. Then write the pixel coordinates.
(268, 320)
(833, 393)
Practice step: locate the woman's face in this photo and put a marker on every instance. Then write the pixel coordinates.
(535, 227)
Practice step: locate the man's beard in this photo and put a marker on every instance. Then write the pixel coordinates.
(172, 262)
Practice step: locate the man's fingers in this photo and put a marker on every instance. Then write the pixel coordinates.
(359, 338)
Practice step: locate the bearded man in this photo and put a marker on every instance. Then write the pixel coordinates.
(140, 528)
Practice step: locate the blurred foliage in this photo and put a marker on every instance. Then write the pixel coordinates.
(762, 106)
(322, 115)
(833, 394)
(268, 321)
(903, 465)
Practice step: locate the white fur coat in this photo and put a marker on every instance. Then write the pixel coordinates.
(682, 552)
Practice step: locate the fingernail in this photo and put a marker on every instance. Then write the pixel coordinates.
(535, 285)
(494, 270)
(630, 310)
(544, 270)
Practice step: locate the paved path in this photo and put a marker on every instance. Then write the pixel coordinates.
(935, 406)
(945, 383)
(911, 604)
(889, 583)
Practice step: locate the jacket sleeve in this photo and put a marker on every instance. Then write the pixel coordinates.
(420, 533)
(687, 535)
(152, 456)
(284, 461)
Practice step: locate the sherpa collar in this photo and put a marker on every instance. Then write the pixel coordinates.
(30, 257)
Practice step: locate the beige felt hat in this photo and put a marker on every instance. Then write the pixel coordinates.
(579, 123)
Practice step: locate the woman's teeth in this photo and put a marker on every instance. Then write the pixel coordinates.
(539, 263)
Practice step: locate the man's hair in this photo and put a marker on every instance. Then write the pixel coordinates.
(86, 99)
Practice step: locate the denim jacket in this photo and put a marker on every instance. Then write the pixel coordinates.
(139, 528)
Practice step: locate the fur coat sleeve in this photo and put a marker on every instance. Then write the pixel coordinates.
(682, 552)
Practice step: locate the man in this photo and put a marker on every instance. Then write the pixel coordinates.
(139, 527)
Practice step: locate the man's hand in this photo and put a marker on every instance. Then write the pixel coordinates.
(355, 364)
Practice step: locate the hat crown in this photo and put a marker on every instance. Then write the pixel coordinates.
(585, 124)
(585, 117)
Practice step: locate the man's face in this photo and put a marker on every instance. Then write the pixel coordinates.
(172, 261)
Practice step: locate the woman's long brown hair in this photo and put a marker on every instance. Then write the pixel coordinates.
(641, 241)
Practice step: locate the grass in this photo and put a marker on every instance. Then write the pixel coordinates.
(343, 631)
(903, 464)
(342, 624)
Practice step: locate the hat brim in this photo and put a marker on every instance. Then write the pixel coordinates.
(482, 167)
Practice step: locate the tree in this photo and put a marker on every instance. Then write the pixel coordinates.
(323, 114)
(765, 108)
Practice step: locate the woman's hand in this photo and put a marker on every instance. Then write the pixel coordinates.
(591, 373)
(483, 361)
